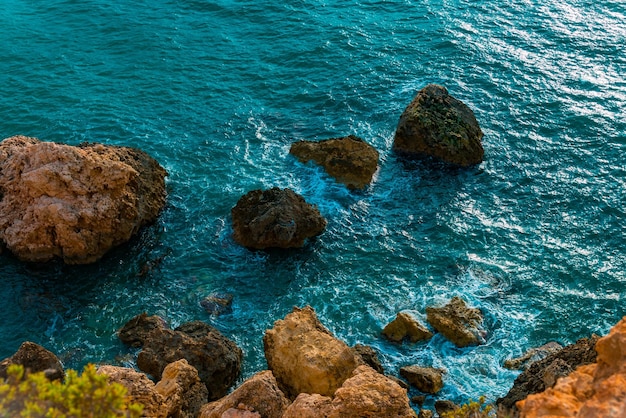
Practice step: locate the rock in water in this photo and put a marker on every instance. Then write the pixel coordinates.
(406, 326)
(275, 218)
(305, 357)
(437, 125)
(216, 358)
(425, 379)
(74, 203)
(457, 322)
(350, 160)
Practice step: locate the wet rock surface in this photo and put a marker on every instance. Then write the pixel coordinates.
(457, 322)
(275, 218)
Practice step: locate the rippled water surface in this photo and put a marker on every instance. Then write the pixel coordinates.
(217, 91)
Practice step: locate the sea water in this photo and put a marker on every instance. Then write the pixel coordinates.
(217, 91)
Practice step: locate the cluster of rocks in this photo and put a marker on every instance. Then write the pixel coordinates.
(434, 125)
(313, 374)
(76, 203)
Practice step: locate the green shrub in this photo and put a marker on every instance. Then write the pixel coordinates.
(472, 410)
(89, 395)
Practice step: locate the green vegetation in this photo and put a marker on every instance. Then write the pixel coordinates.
(472, 409)
(89, 395)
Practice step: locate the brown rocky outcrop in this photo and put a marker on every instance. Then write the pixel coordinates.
(74, 203)
(407, 326)
(457, 322)
(350, 160)
(34, 358)
(425, 379)
(139, 388)
(596, 390)
(437, 125)
(216, 358)
(366, 394)
(259, 394)
(305, 357)
(368, 356)
(275, 218)
(543, 373)
(182, 390)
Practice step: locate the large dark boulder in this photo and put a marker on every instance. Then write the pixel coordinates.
(74, 203)
(457, 322)
(275, 218)
(437, 125)
(34, 358)
(217, 359)
(544, 373)
(350, 160)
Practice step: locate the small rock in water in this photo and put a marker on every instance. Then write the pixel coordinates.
(217, 303)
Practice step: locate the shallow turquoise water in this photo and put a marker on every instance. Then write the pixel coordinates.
(217, 92)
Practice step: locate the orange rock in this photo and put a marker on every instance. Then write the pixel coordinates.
(591, 391)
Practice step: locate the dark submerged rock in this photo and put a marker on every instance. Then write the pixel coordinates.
(275, 218)
(437, 125)
(532, 355)
(350, 160)
(217, 303)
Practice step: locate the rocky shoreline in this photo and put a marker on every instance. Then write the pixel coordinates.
(189, 372)
(76, 203)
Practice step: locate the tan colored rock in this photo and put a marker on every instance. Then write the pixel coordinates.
(305, 357)
(404, 326)
(366, 394)
(182, 390)
(140, 390)
(592, 391)
(350, 160)
(74, 203)
(370, 394)
(457, 322)
(437, 125)
(309, 406)
(259, 394)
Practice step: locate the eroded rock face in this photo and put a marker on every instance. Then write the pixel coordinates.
(366, 393)
(457, 322)
(305, 357)
(139, 388)
(350, 160)
(437, 125)
(182, 390)
(542, 374)
(216, 358)
(259, 394)
(74, 203)
(407, 326)
(275, 218)
(370, 394)
(596, 390)
(34, 358)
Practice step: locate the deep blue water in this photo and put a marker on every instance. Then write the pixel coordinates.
(217, 91)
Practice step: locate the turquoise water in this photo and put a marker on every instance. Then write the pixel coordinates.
(217, 91)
